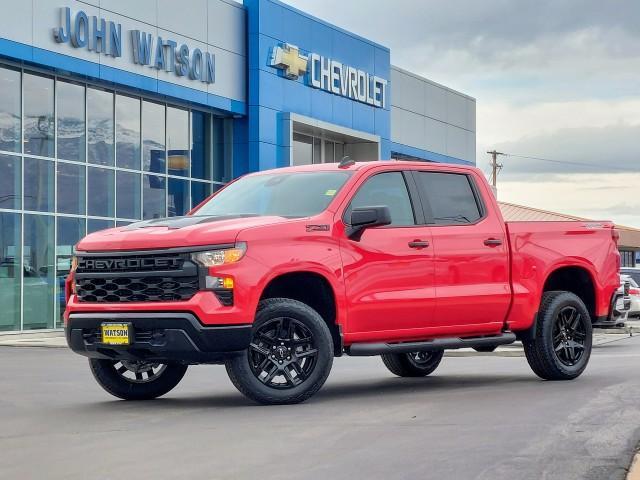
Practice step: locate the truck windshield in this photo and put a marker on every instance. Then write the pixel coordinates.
(300, 194)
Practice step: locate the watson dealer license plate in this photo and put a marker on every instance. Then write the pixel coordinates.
(116, 333)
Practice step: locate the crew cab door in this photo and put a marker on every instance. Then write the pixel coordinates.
(388, 271)
(470, 251)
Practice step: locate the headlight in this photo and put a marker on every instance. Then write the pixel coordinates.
(225, 256)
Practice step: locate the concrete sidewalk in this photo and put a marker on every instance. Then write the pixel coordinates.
(56, 340)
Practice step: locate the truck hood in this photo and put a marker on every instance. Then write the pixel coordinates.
(175, 232)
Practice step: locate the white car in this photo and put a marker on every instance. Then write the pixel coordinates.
(633, 272)
(634, 295)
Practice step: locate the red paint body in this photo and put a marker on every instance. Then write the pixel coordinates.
(384, 290)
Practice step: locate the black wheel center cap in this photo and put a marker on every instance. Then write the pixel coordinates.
(282, 352)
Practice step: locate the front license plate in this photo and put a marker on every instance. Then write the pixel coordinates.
(116, 333)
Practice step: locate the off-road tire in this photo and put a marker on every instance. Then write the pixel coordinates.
(242, 368)
(540, 351)
(108, 378)
(403, 365)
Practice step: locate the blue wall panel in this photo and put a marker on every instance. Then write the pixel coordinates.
(364, 117)
(296, 97)
(321, 105)
(271, 24)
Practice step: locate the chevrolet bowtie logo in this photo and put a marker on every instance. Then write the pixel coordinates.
(288, 58)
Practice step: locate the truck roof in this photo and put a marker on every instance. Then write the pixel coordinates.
(367, 166)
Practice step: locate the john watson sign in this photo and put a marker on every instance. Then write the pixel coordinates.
(330, 75)
(96, 34)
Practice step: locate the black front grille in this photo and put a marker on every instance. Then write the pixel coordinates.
(136, 278)
(136, 289)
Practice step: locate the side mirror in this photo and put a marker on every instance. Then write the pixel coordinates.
(367, 217)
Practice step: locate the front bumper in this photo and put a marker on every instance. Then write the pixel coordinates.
(160, 337)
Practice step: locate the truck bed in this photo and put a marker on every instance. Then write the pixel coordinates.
(539, 248)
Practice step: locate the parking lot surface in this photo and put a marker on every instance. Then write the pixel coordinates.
(483, 417)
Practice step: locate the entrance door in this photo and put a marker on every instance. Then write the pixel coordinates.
(388, 272)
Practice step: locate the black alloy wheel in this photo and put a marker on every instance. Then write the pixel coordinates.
(289, 357)
(282, 353)
(414, 364)
(420, 359)
(136, 380)
(139, 371)
(559, 347)
(569, 335)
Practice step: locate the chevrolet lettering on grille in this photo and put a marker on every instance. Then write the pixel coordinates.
(127, 263)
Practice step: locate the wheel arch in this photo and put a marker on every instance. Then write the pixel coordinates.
(313, 289)
(577, 280)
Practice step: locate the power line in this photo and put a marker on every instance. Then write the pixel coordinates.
(567, 162)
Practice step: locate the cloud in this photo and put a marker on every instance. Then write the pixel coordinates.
(526, 48)
(585, 150)
(610, 196)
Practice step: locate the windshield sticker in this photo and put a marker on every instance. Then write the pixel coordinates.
(330, 193)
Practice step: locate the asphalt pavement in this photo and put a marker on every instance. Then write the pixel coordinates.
(480, 417)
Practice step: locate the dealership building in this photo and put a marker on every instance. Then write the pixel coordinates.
(114, 111)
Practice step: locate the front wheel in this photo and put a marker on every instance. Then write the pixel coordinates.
(414, 364)
(561, 346)
(290, 355)
(136, 380)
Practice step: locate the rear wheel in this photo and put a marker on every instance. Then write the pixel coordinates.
(136, 380)
(414, 364)
(561, 346)
(290, 355)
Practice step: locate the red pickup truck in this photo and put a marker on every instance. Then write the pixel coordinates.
(282, 270)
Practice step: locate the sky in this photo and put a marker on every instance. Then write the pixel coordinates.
(553, 79)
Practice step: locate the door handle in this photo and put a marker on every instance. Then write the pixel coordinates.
(418, 244)
(492, 242)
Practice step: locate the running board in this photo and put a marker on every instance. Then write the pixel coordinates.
(370, 349)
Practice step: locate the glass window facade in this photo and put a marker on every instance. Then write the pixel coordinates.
(38, 184)
(39, 125)
(128, 195)
(100, 126)
(77, 158)
(128, 132)
(71, 188)
(38, 272)
(153, 137)
(71, 121)
(10, 182)
(10, 248)
(308, 149)
(10, 110)
(100, 184)
(178, 141)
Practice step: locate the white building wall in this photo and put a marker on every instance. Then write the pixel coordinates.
(432, 117)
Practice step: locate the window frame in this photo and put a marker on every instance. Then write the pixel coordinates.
(412, 192)
(426, 205)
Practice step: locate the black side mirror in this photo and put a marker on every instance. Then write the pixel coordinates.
(367, 217)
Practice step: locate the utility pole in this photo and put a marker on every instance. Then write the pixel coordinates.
(495, 166)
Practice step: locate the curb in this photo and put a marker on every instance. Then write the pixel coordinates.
(31, 345)
(634, 469)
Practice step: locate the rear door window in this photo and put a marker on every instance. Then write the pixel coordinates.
(450, 196)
